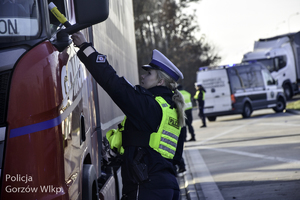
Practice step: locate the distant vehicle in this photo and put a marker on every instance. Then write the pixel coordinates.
(239, 89)
(281, 55)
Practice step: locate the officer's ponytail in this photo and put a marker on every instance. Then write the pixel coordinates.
(177, 97)
(179, 101)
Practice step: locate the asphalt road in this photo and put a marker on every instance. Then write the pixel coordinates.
(250, 159)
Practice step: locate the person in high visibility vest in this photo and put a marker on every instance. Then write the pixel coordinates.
(188, 111)
(148, 139)
(200, 97)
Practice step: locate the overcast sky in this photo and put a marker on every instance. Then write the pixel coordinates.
(232, 26)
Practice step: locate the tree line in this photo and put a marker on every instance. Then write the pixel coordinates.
(166, 25)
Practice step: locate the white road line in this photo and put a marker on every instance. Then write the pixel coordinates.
(255, 155)
(231, 130)
(202, 175)
(278, 124)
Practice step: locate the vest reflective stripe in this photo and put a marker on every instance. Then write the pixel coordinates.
(164, 148)
(165, 139)
(168, 142)
(170, 134)
(187, 99)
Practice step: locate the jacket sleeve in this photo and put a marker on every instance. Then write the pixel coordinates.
(135, 102)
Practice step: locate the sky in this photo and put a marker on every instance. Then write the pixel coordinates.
(232, 26)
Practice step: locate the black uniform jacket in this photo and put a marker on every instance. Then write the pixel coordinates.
(200, 97)
(144, 115)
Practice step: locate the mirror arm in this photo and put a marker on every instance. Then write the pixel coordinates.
(75, 28)
(62, 38)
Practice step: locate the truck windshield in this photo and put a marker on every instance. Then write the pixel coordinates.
(274, 64)
(268, 63)
(18, 20)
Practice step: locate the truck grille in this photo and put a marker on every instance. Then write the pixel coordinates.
(4, 81)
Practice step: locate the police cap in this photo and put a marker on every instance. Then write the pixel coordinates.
(161, 62)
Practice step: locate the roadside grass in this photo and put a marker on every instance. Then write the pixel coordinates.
(293, 105)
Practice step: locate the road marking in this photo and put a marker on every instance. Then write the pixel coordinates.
(278, 124)
(255, 155)
(201, 174)
(229, 131)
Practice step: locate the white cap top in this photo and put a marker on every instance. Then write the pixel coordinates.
(161, 62)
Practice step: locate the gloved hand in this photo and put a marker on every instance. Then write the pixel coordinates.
(78, 39)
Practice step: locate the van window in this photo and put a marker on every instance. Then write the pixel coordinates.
(245, 78)
(269, 80)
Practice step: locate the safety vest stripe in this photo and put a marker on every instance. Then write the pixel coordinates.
(188, 105)
(167, 149)
(165, 140)
(170, 134)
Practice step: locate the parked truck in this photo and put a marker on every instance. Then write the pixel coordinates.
(281, 55)
(239, 89)
(53, 115)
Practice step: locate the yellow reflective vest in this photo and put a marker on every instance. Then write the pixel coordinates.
(163, 141)
(187, 99)
(197, 95)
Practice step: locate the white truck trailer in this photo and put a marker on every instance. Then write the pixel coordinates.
(281, 56)
(239, 89)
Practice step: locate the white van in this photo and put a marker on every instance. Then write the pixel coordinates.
(239, 89)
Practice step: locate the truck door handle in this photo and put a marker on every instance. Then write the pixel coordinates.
(217, 96)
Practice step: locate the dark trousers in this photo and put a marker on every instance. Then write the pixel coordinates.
(188, 121)
(153, 194)
(201, 113)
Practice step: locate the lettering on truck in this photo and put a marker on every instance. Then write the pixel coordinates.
(18, 27)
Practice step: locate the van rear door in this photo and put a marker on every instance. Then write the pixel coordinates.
(217, 96)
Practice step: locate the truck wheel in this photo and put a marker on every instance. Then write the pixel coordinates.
(280, 105)
(89, 183)
(212, 118)
(247, 111)
(287, 91)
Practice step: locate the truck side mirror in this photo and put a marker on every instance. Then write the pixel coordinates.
(89, 12)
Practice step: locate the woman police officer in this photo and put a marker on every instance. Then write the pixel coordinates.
(154, 116)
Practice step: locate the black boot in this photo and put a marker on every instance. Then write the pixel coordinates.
(192, 139)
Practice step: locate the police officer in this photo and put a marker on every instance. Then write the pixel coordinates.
(154, 116)
(200, 97)
(188, 111)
